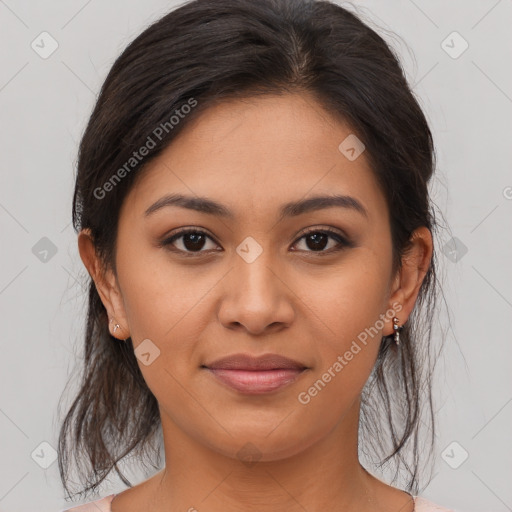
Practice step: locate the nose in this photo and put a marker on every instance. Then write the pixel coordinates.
(256, 298)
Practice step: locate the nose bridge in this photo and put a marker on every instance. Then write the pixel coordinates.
(254, 276)
(255, 297)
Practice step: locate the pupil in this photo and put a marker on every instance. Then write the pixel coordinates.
(196, 239)
(317, 239)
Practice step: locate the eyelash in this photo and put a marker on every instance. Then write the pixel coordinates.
(342, 241)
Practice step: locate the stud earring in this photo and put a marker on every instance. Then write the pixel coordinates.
(116, 326)
(397, 330)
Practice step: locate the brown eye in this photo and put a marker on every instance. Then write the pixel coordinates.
(192, 241)
(318, 240)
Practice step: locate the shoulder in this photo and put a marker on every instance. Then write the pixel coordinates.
(424, 505)
(102, 505)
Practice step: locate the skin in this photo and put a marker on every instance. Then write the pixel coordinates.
(253, 156)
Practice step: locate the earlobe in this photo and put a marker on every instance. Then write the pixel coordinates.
(106, 284)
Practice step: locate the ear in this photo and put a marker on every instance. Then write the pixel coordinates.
(106, 285)
(407, 282)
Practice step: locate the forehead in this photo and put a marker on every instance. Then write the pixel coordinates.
(260, 152)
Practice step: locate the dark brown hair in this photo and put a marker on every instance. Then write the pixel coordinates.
(207, 51)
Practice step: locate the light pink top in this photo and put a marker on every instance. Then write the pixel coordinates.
(103, 505)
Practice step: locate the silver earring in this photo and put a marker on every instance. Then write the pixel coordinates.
(116, 326)
(397, 330)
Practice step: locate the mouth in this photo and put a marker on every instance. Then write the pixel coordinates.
(256, 382)
(256, 375)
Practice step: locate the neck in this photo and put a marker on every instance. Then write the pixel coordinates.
(326, 475)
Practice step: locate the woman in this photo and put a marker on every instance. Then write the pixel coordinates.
(252, 207)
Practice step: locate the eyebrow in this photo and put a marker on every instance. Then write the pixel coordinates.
(291, 209)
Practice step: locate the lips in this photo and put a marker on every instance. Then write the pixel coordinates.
(256, 375)
(247, 362)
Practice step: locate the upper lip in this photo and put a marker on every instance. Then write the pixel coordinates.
(248, 362)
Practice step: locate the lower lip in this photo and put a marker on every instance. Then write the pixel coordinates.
(256, 382)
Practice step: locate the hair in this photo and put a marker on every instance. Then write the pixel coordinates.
(209, 51)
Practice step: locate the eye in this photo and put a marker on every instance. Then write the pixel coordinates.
(192, 241)
(317, 240)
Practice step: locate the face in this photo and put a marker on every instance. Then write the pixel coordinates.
(313, 285)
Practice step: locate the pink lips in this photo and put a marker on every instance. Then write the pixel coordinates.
(256, 375)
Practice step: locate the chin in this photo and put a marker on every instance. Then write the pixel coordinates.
(252, 445)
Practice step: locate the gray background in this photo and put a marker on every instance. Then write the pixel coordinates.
(44, 106)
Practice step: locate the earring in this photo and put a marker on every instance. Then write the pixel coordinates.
(397, 330)
(116, 326)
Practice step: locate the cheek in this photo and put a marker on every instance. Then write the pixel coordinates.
(349, 318)
(349, 298)
(158, 294)
(168, 305)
